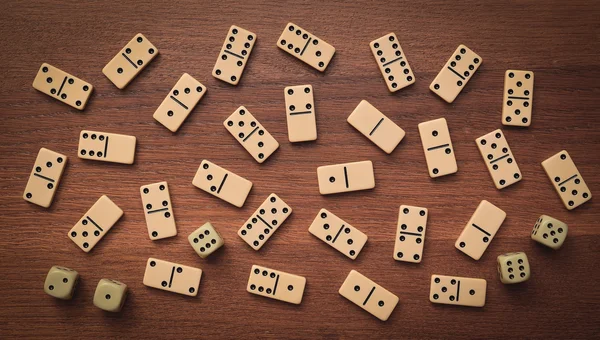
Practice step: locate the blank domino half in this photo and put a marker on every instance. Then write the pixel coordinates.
(276, 284)
(456, 73)
(251, 134)
(264, 222)
(346, 177)
(498, 158)
(45, 177)
(178, 104)
(158, 210)
(376, 126)
(392, 62)
(518, 98)
(338, 233)
(368, 295)
(222, 183)
(480, 230)
(60, 85)
(305, 46)
(234, 55)
(172, 277)
(300, 113)
(410, 234)
(567, 180)
(438, 149)
(454, 290)
(95, 223)
(130, 61)
(106, 147)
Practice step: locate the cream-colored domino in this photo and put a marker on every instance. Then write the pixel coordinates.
(305, 46)
(276, 284)
(222, 183)
(392, 62)
(518, 98)
(410, 234)
(172, 277)
(338, 233)
(265, 221)
(345, 177)
(480, 230)
(45, 177)
(130, 61)
(376, 126)
(251, 134)
(437, 146)
(456, 73)
(567, 180)
(158, 210)
(368, 295)
(96, 222)
(454, 290)
(179, 102)
(60, 85)
(498, 158)
(300, 112)
(234, 55)
(106, 147)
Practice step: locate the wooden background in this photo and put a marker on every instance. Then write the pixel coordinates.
(558, 40)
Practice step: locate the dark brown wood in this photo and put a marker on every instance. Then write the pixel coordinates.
(558, 40)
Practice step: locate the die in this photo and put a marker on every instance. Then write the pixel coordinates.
(205, 240)
(549, 232)
(110, 295)
(61, 282)
(513, 268)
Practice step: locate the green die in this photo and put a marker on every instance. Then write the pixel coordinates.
(205, 240)
(110, 295)
(61, 282)
(549, 232)
(513, 268)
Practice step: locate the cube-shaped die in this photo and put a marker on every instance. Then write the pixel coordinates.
(549, 232)
(61, 282)
(513, 268)
(205, 240)
(110, 295)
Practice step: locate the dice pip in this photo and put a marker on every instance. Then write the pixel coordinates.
(61, 282)
(549, 232)
(513, 268)
(110, 295)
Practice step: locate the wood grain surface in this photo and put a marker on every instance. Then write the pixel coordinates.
(558, 40)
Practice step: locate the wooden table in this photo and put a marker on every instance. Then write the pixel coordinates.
(558, 40)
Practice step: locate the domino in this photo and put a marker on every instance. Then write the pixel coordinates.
(498, 158)
(172, 277)
(106, 147)
(392, 62)
(305, 46)
(518, 98)
(345, 177)
(60, 85)
(45, 177)
(251, 134)
(101, 217)
(130, 61)
(460, 291)
(410, 234)
(158, 210)
(437, 145)
(567, 180)
(480, 230)
(264, 222)
(234, 55)
(338, 233)
(300, 113)
(178, 104)
(455, 75)
(368, 295)
(376, 126)
(222, 183)
(276, 284)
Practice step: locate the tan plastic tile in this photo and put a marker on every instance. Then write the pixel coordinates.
(480, 230)
(251, 134)
(454, 290)
(368, 295)
(178, 104)
(265, 221)
(455, 75)
(130, 61)
(222, 183)
(550, 232)
(95, 223)
(410, 234)
(567, 180)
(234, 55)
(518, 98)
(513, 268)
(110, 295)
(392, 62)
(498, 158)
(376, 126)
(158, 210)
(336, 232)
(60, 85)
(45, 177)
(172, 277)
(438, 149)
(300, 113)
(345, 177)
(305, 46)
(205, 240)
(106, 147)
(276, 284)
(61, 282)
